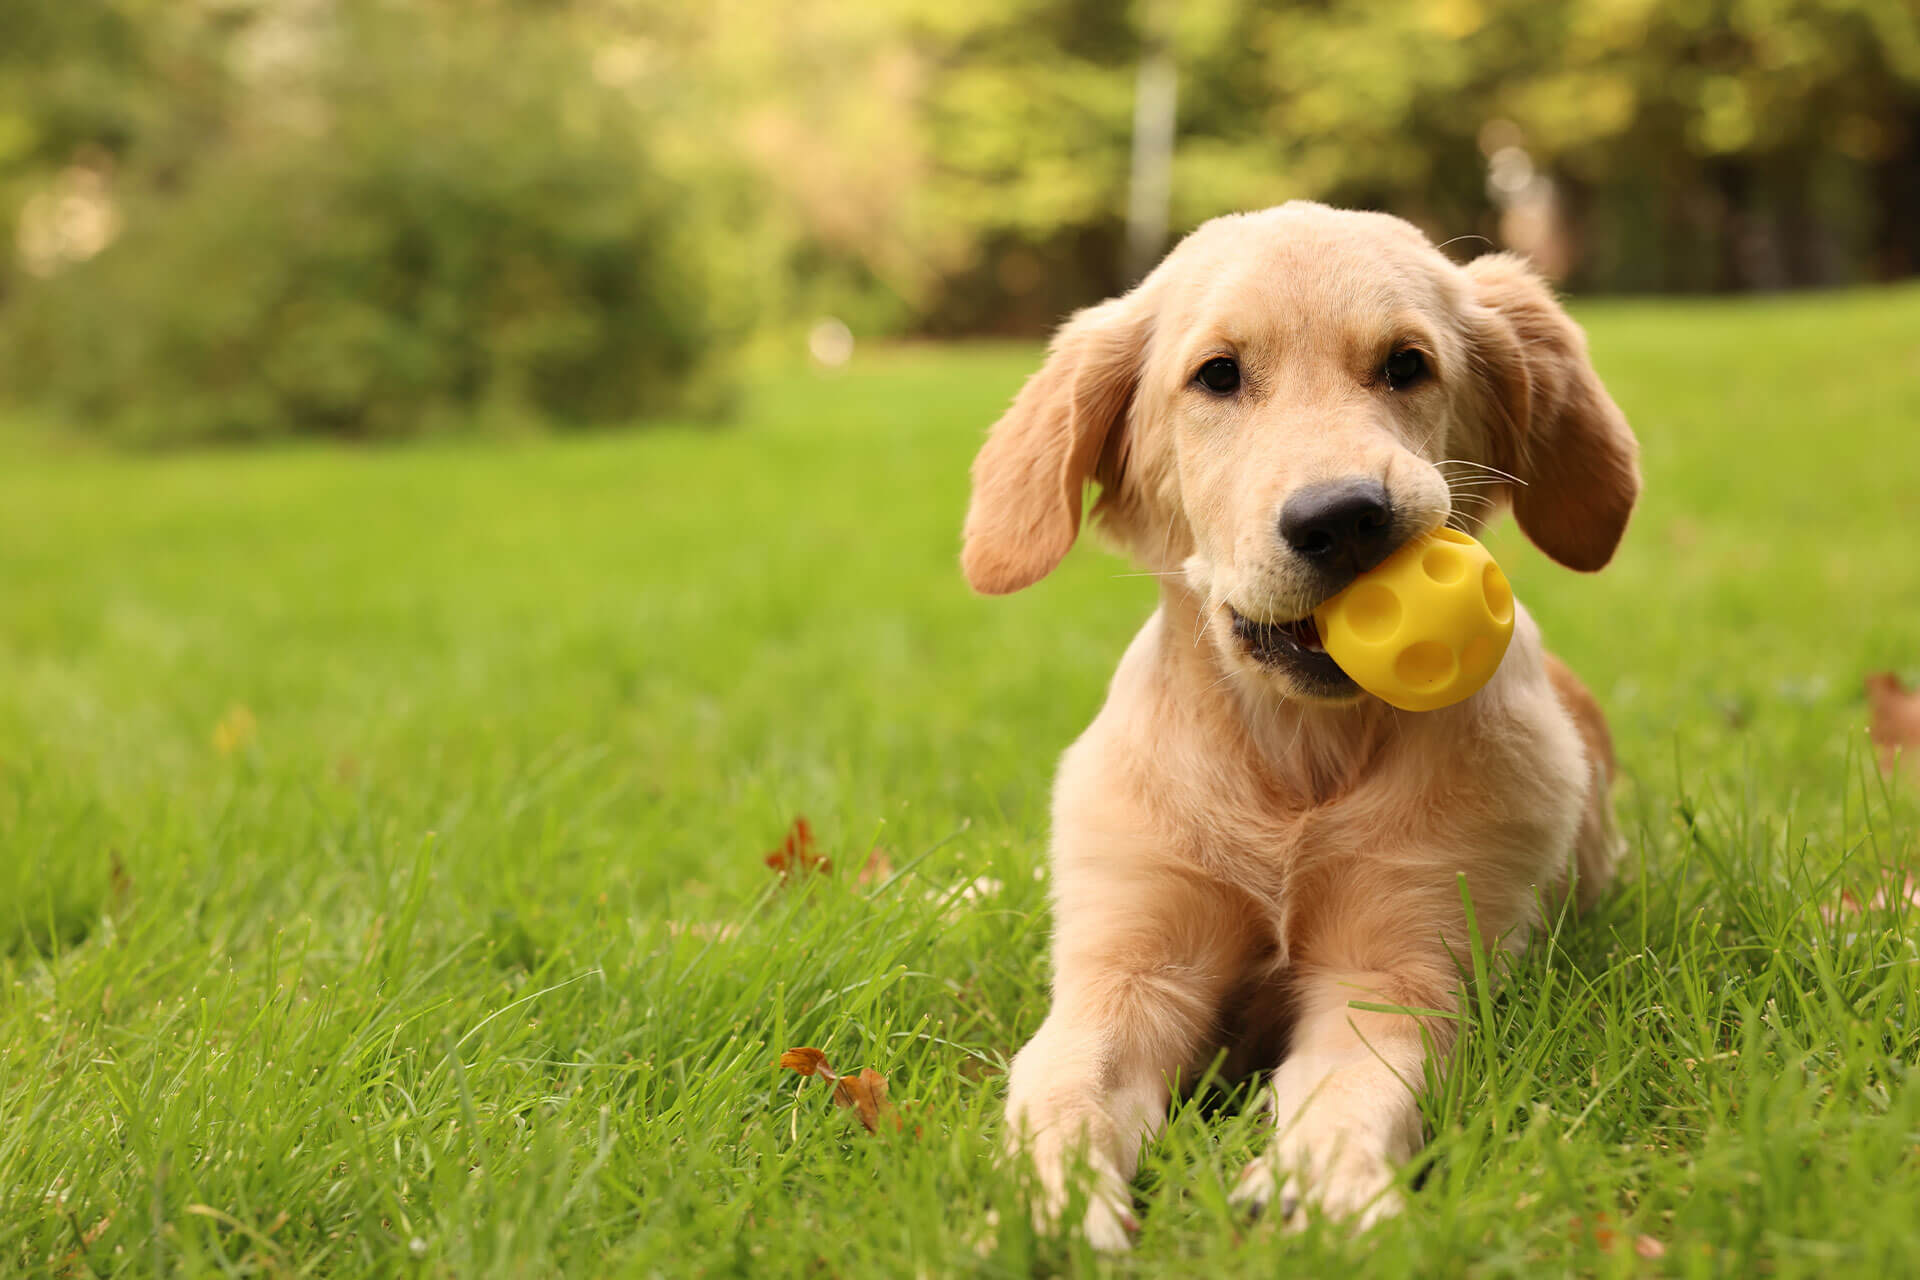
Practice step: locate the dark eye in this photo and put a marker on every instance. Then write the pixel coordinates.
(1404, 368)
(1219, 375)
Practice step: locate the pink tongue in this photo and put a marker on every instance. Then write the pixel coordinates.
(1308, 634)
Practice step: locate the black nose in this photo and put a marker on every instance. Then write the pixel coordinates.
(1344, 527)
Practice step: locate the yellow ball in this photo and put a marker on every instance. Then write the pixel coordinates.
(1424, 628)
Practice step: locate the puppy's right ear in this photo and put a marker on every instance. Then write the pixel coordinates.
(1556, 430)
(1030, 475)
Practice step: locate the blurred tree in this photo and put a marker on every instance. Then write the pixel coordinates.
(416, 207)
(393, 238)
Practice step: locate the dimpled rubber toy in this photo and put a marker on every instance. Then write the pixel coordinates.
(1424, 628)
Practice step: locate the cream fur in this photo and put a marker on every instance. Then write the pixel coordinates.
(1235, 863)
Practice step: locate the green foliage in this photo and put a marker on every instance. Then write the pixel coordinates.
(380, 217)
(412, 238)
(463, 937)
(1717, 144)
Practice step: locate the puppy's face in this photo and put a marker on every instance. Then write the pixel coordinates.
(1288, 398)
(1308, 384)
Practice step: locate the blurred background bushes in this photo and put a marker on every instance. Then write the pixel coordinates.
(241, 219)
(421, 225)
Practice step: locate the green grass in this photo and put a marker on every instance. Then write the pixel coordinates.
(463, 959)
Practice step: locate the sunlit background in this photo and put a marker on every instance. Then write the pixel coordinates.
(241, 219)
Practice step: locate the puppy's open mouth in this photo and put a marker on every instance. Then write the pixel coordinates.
(1294, 648)
(1261, 637)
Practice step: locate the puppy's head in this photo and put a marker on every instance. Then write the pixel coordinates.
(1289, 397)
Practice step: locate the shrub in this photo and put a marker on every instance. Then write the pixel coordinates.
(423, 235)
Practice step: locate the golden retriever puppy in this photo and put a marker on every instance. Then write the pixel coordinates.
(1248, 852)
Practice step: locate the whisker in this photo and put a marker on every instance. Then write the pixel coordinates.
(1217, 683)
(1469, 462)
(1433, 431)
(1205, 616)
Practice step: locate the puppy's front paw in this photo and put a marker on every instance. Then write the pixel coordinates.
(1290, 1179)
(1264, 1189)
(1108, 1223)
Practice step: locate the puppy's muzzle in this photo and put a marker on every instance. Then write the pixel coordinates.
(1341, 528)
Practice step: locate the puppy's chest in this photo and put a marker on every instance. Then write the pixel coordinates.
(1379, 831)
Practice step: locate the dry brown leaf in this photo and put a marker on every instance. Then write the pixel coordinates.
(1605, 1238)
(1602, 1233)
(866, 1093)
(878, 867)
(808, 1062)
(796, 855)
(864, 1090)
(1895, 723)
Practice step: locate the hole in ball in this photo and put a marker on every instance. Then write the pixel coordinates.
(1499, 594)
(1426, 665)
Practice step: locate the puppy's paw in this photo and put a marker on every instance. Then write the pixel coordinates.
(1364, 1197)
(1110, 1225)
(1265, 1190)
(1287, 1182)
(1107, 1222)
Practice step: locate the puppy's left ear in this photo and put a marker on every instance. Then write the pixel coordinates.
(1554, 425)
(1030, 476)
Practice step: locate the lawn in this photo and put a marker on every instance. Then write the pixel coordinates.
(381, 850)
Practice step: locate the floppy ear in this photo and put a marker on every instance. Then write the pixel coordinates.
(1030, 474)
(1555, 426)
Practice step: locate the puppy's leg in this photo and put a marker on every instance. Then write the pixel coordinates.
(1346, 1099)
(1142, 959)
(1598, 846)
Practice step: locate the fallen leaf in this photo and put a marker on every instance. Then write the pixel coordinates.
(796, 854)
(1604, 1237)
(808, 1062)
(877, 867)
(864, 1090)
(866, 1093)
(1895, 723)
(1598, 1228)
